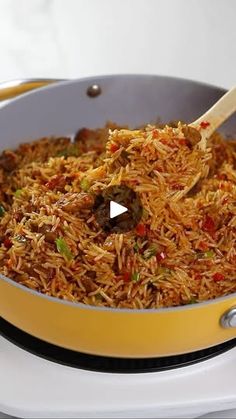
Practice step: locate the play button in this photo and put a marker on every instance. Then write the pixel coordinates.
(117, 209)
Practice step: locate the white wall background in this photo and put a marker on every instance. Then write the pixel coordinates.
(72, 38)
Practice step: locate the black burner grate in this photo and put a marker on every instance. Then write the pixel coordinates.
(106, 364)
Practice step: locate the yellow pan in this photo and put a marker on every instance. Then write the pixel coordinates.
(61, 109)
(114, 332)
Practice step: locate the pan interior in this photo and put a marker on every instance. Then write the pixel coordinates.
(126, 99)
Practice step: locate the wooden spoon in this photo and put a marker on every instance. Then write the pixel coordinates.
(215, 116)
(206, 125)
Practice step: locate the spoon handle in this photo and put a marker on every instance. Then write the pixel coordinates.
(215, 116)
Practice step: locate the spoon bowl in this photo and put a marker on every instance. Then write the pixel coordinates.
(215, 116)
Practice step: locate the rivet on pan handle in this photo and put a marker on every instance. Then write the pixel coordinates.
(228, 320)
(11, 89)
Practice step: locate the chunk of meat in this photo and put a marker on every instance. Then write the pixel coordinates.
(8, 160)
(73, 202)
(50, 236)
(17, 214)
(88, 284)
(1, 176)
(115, 266)
(91, 140)
(83, 134)
(192, 135)
(57, 182)
(124, 158)
(92, 274)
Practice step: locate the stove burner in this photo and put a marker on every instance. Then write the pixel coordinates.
(105, 364)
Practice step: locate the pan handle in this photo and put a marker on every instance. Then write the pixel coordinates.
(11, 89)
(229, 318)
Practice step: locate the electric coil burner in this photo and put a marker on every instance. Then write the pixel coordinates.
(106, 364)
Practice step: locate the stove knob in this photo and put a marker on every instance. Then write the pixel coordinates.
(229, 318)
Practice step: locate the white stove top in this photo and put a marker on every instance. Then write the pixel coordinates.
(33, 387)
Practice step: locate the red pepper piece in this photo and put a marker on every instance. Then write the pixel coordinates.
(208, 225)
(164, 141)
(183, 141)
(7, 243)
(160, 256)
(203, 246)
(177, 186)
(114, 148)
(204, 124)
(222, 176)
(218, 277)
(141, 230)
(126, 276)
(155, 134)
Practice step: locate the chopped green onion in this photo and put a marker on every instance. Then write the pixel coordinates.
(136, 248)
(2, 211)
(145, 214)
(192, 301)
(18, 193)
(63, 248)
(74, 151)
(61, 153)
(152, 251)
(135, 276)
(67, 152)
(209, 254)
(20, 238)
(84, 184)
(206, 255)
(66, 228)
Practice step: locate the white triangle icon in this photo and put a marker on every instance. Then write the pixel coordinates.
(116, 209)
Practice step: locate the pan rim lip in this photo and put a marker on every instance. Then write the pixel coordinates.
(100, 78)
(115, 309)
(97, 78)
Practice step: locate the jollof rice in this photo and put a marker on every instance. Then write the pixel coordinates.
(183, 251)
